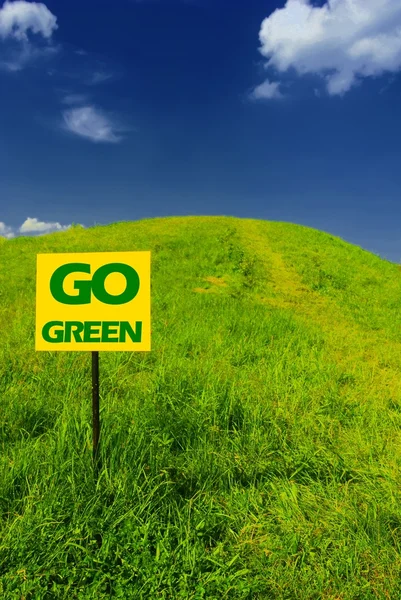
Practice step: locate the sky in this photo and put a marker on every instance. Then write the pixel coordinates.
(121, 110)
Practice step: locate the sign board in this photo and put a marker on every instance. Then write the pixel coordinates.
(93, 301)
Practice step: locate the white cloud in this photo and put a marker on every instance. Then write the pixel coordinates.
(34, 226)
(91, 123)
(16, 19)
(343, 40)
(267, 90)
(6, 231)
(19, 16)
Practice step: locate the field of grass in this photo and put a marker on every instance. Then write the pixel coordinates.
(253, 453)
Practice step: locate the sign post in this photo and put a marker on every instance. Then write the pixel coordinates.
(95, 408)
(110, 312)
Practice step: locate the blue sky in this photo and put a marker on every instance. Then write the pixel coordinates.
(121, 110)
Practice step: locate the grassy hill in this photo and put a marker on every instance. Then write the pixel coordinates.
(254, 453)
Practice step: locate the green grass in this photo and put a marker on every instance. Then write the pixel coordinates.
(254, 453)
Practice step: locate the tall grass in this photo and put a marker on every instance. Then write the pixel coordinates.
(254, 453)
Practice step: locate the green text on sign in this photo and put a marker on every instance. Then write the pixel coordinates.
(62, 331)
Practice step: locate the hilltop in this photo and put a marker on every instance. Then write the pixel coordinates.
(254, 452)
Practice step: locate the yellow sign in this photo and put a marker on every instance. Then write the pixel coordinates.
(93, 301)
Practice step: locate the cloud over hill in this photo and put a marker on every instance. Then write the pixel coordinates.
(32, 226)
(343, 41)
